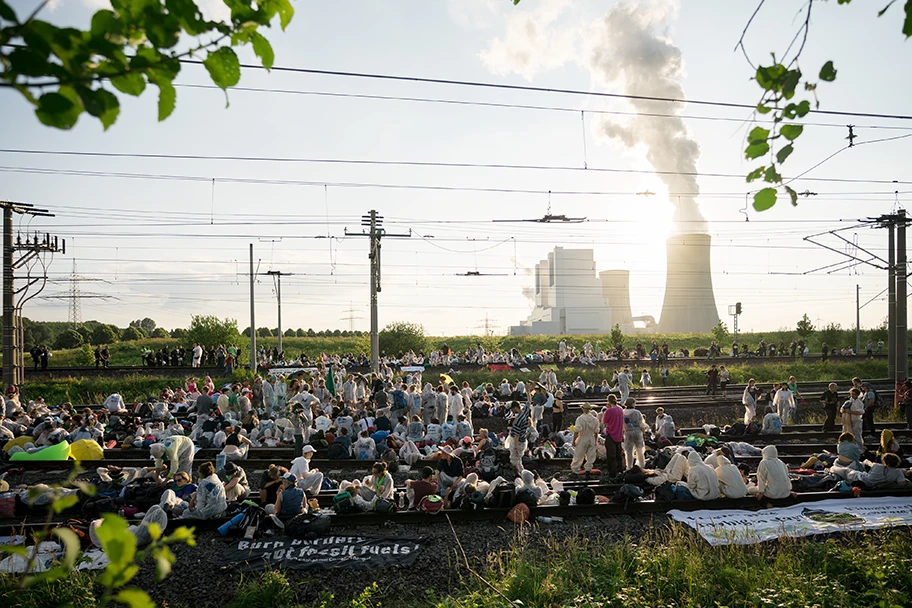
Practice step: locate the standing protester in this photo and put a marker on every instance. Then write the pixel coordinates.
(557, 412)
(613, 421)
(852, 411)
(712, 380)
(723, 378)
(749, 400)
(830, 401)
(585, 438)
(519, 434)
(634, 427)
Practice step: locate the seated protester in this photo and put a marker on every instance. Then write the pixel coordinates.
(235, 480)
(526, 483)
(160, 411)
(340, 448)
(448, 430)
(731, 483)
(434, 433)
(309, 480)
(209, 501)
(378, 485)
(409, 453)
(882, 475)
(115, 404)
(701, 479)
(344, 421)
(290, 501)
(849, 453)
(178, 494)
(365, 448)
(271, 485)
(417, 490)
(449, 467)
(401, 429)
(382, 422)
(86, 430)
(772, 475)
(464, 450)
(323, 423)
(415, 430)
(889, 445)
(772, 423)
(463, 426)
(664, 426)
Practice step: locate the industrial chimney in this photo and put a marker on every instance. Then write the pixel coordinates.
(690, 306)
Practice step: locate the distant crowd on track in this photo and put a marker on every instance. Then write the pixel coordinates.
(440, 427)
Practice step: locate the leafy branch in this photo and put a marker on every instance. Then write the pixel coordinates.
(64, 72)
(779, 82)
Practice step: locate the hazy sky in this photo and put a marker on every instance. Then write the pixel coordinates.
(168, 248)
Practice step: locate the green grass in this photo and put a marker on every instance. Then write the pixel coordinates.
(76, 591)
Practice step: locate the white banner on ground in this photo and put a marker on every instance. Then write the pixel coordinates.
(411, 368)
(287, 371)
(822, 517)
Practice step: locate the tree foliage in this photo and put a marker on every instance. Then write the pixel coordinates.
(617, 336)
(69, 339)
(209, 330)
(132, 333)
(805, 327)
(64, 71)
(782, 108)
(159, 332)
(720, 332)
(105, 334)
(401, 337)
(147, 325)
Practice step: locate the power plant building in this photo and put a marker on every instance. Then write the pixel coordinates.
(571, 298)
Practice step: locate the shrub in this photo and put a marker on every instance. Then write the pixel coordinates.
(132, 333)
(401, 337)
(69, 339)
(105, 334)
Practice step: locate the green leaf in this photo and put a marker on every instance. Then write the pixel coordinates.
(65, 502)
(131, 83)
(756, 150)
(14, 550)
(108, 117)
(803, 108)
(765, 199)
(792, 195)
(784, 153)
(223, 67)
(907, 24)
(60, 110)
(71, 544)
(163, 30)
(163, 560)
(771, 176)
(188, 14)
(167, 97)
(828, 72)
(758, 134)
(755, 174)
(263, 49)
(105, 23)
(117, 541)
(185, 535)
(791, 132)
(791, 80)
(135, 598)
(87, 488)
(286, 12)
(155, 531)
(763, 109)
(26, 62)
(103, 105)
(7, 13)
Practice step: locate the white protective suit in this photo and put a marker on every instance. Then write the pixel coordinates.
(750, 405)
(701, 479)
(772, 475)
(731, 484)
(584, 454)
(784, 402)
(309, 481)
(634, 446)
(179, 451)
(210, 499)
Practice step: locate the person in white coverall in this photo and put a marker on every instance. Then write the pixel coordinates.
(308, 480)
(772, 475)
(701, 479)
(731, 484)
(178, 450)
(585, 438)
(784, 401)
(634, 427)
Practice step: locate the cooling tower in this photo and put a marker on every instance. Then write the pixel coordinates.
(690, 305)
(616, 291)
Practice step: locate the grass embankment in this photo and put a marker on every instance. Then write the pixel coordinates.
(95, 389)
(128, 353)
(672, 567)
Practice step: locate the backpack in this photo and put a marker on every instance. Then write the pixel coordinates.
(430, 503)
(255, 522)
(95, 506)
(145, 411)
(737, 429)
(752, 429)
(665, 492)
(328, 484)
(503, 497)
(344, 504)
(399, 399)
(585, 496)
(661, 460)
(626, 494)
(519, 514)
(526, 497)
(81, 529)
(381, 505)
(143, 494)
(474, 501)
(487, 465)
(336, 452)
(307, 526)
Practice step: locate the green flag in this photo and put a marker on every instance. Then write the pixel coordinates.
(330, 381)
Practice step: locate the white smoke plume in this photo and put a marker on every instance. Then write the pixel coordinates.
(626, 51)
(630, 51)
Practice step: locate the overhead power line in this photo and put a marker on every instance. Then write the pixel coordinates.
(531, 89)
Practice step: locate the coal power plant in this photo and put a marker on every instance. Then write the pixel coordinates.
(572, 298)
(690, 305)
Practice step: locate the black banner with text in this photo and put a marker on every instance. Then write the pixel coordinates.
(353, 552)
